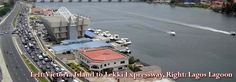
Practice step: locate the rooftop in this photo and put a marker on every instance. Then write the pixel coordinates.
(101, 54)
(54, 21)
(80, 45)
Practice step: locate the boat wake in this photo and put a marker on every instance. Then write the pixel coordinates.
(195, 26)
(168, 21)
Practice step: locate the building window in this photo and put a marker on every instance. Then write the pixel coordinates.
(105, 65)
(108, 64)
(94, 67)
(114, 62)
(100, 66)
(119, 68)
(121, 62)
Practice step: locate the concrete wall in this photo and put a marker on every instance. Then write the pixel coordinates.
(67, 56)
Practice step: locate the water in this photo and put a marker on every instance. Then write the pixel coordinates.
(202, 43)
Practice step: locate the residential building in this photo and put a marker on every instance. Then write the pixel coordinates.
(217, 4)
(102, 60)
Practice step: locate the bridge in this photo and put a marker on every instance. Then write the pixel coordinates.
(88, 0)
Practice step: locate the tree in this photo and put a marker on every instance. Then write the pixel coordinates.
(172, 1)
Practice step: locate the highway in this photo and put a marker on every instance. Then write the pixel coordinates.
(17, 69)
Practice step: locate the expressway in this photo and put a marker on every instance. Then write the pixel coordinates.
(17, 69)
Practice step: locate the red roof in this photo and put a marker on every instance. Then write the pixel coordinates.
(102, 54)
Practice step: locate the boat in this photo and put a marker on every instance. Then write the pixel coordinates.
(172, 33)
(114, 37)
(124, 41)
(126, 50)
(232, 33)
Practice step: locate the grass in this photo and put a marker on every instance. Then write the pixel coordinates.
(76, 68)
(15, 19)
(33, 69)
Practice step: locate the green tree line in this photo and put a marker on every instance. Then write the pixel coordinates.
(229, 7)
(6, 8)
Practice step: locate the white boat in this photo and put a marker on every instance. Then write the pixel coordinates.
(114, 37)
(124, 41)
(126, 50)
(232, 33)
(90, 29)
(172, 33)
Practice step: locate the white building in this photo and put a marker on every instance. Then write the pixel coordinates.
(101, 60)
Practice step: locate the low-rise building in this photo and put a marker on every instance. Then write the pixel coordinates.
(83, 43)
(102, 60)
(42, 11)
(217, 4)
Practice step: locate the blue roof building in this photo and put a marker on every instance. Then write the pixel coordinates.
(78, 45)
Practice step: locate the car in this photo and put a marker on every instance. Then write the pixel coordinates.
(35, 59)
(38, 63)
(44, 62)
(58, 69)
(40, 57)
(54, 65)
(32, 57)
(46, 59)
(48, 66)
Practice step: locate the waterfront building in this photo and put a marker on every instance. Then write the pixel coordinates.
(217, 4)
(60, 28)
(42, 11)
(83, 43)
(102, 60)
(56, 26)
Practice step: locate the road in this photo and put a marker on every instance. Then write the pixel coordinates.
(18, 70)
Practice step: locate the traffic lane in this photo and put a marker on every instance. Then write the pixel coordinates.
(12, 61)
(26, 72)
(20, 72)
(10, 64)
(8, 22)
